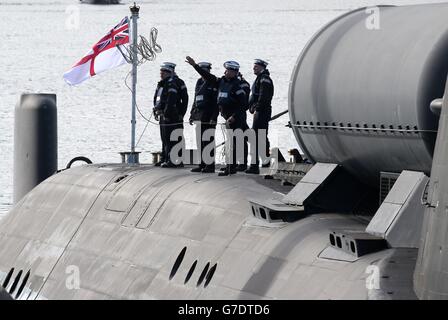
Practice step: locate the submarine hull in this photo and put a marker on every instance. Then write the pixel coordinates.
(122, 230)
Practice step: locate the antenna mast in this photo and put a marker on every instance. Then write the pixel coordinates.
(133, 157)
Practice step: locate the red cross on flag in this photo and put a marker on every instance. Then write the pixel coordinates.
(103, 56)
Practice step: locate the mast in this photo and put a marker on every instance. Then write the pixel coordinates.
(134, 11)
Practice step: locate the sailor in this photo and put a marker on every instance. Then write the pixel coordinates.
(260, 106)
(231, 102)
(204, 114)
(170, 106)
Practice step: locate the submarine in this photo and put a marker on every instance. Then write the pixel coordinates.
(365, 220)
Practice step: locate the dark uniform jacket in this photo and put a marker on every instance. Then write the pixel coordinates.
(171, 99)
(231, 98)
(205, 108)
(246, 87)
(262, 93)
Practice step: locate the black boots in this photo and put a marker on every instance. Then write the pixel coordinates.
(197, 169)
(253, 169)
(170, 164)
(241, 167)
(208, 169)
(228, 171)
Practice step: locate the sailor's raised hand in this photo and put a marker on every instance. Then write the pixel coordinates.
(190, 60)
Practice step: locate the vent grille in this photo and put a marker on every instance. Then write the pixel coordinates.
(387, 181)
(13, 288)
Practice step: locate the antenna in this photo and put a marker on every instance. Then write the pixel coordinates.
(136, 54)
(134, 10)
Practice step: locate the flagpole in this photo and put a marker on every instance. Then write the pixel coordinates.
(134, 10)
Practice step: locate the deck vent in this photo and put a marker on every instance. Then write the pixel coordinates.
(190, 272)
(387, 181)
(275, 212)
(263, 213)
(203, 274)
(120, 178)
(356, 243)
(18, 284)
(210, 274)
(178, 262)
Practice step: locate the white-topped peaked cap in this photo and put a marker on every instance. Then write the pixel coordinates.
(168, 66)
(261, 62)
(232, 65)
(205, 65)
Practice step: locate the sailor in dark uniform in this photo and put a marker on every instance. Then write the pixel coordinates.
(231, 102)
(204, 114)
(170, 106)
(260, 106)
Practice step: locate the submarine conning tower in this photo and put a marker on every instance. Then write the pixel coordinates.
(361, 90)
